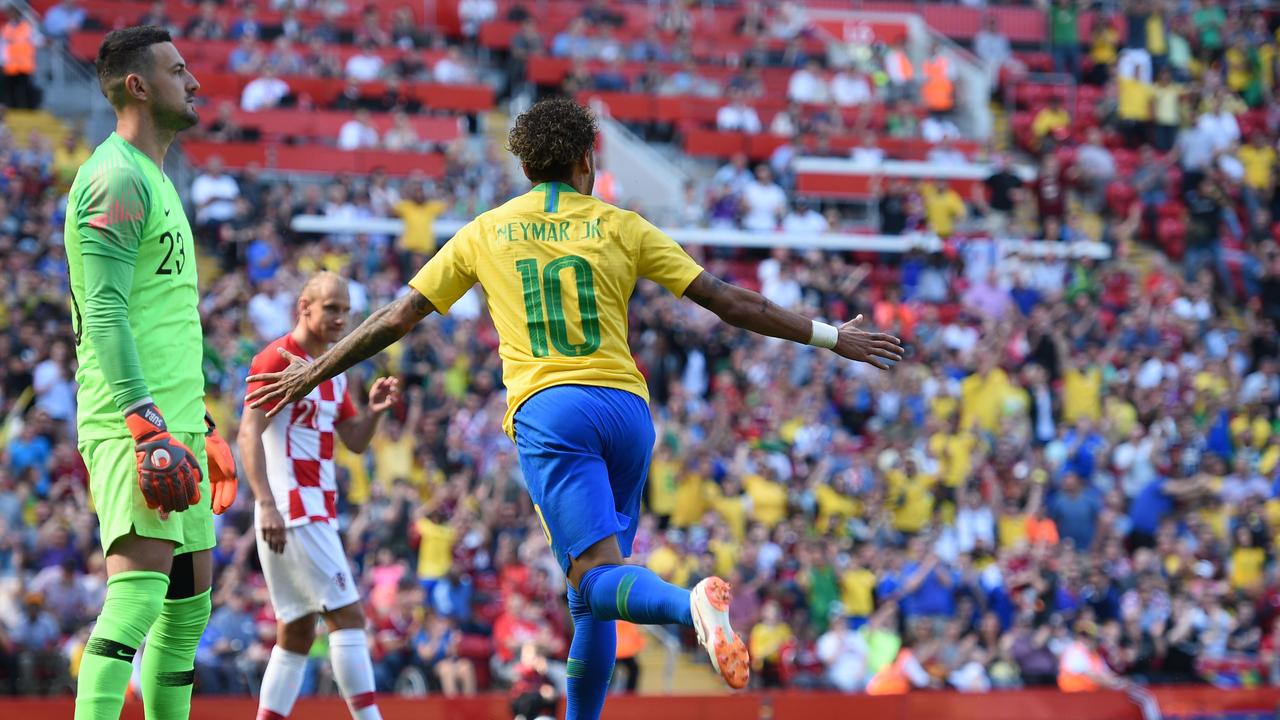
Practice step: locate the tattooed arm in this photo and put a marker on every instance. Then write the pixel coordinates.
(752, 311)
(385, 326)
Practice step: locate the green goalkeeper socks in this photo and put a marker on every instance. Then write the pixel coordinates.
(133, 603)
(168, 663)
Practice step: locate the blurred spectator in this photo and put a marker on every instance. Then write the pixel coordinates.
(768, 642)
(935, 129)
(1051, 119)
(850, 88)
(473, 14)
(938, 90)
(246, 58)
(63, 19)
(867, 152)
(946, 153)
(804, 219)
(437, 647)
(453, 69)
(206, 25)
(763, 201)
(573, 42)
(283, 59)
(401, 136)
(808, 85)
(901, 73)
(1064, 36)
(246, 23)
(843, 652)
(366, 65)
(738, 116)
(901, 122)
(263, 92)
(41, 665)
(358, 132)
(214, 192)
(943, 207)
(20, 42)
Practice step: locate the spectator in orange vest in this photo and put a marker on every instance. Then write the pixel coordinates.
(19, 39)
(630, 642)
(1082, 669)
(900, 72)
(939, 89)
(899, 676)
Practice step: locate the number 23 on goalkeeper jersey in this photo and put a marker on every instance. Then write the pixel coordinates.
(122, 206)
(558, 269)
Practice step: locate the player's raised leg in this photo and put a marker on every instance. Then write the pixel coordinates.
(585, 454)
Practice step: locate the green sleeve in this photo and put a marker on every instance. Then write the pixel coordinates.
(108, 281)
(111, 214)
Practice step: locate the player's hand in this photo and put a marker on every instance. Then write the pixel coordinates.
(282, 388)
(271, 525)
(855, 343)
(167, 470)
(223, 482)
(384, 394)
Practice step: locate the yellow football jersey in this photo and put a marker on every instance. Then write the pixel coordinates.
(558, 269)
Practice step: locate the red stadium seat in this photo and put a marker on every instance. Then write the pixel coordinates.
(234, 155)
(637, 107)
(712, 143)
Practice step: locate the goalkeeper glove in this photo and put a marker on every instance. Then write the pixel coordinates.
(167, 471)
(222, 467)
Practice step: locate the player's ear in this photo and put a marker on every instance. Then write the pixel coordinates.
(135, 86)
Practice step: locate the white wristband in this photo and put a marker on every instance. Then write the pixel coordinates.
(824, 335)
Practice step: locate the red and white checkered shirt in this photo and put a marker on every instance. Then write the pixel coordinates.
(299, 443)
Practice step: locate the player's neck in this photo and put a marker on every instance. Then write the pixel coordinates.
(309, 343)
(140, 131)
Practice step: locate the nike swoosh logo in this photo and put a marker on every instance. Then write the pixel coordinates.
(110, 649)
(166, 212)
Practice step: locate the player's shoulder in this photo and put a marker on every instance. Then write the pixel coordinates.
(112, 170)
(270, 359)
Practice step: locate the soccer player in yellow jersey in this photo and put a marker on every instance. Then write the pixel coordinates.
(558, 268)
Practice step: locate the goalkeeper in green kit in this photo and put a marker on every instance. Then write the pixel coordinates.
(157, 469)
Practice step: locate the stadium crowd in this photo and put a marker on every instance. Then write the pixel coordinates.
(1076, 456)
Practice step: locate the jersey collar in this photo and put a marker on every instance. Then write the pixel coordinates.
(553, 190)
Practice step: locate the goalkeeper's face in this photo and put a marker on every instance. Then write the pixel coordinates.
(173, 89)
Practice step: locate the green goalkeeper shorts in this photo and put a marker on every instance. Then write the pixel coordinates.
(113, 484)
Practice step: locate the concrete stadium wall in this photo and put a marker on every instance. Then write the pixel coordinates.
(1013, 705)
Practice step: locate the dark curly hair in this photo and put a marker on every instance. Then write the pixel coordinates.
(551, 137)
(125, 52)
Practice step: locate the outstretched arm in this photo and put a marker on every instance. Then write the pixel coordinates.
(385, 326)
(752, 311)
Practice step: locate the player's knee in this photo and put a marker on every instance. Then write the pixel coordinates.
(299, 635)
(349, 617)
(604, 552)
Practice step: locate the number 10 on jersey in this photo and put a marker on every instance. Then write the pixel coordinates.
(543, 290)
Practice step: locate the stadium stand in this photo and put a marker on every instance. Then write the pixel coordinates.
(1076, 448)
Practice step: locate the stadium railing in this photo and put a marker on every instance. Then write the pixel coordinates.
(740, 238)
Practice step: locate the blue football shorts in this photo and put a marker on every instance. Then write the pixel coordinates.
(585, 454)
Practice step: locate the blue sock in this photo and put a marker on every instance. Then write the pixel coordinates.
(591, 657)
(634, 594)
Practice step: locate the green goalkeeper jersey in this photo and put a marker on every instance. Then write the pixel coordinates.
(134, 300)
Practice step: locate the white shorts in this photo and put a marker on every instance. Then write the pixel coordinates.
(312, 575)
